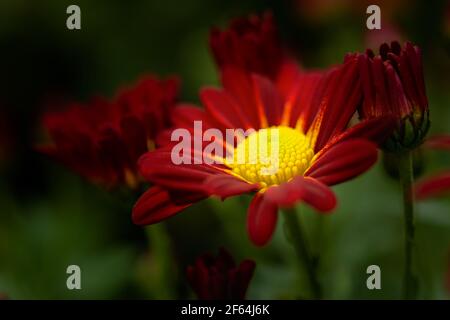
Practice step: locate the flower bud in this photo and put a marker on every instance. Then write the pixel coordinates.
(393, 84)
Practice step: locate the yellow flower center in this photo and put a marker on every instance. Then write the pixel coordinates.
(271, 156)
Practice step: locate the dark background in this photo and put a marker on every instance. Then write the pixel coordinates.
(51, 218)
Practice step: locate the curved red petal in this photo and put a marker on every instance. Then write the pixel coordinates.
(158, 168)
(441, 142)
(343, 161)
(375, 130)
(184, 115)
(155, 205)
(261, 220)
(339, 101)
(226, 185)
(432, 186)
(287, 76)
(268, 99)
(239, 84)
(309, 190)
(318, 195)
(224, 108)
(163, 138)
(305, 98)
(241, 279)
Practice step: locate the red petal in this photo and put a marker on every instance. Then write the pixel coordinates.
(226, 185)
(441, 142)
(261, 220)
(112, 150)
(155, 205)
(268, 100)
(309, 190)
(305, 99)
(287, 77)
(342, 97)
(134, 136)
(238, 83)
(157, 167)
(240, 279)
(375, 130)
(224, 108)
(433, 186)
(410, 70)
(163, 138)
(372, 78)
(343, 161)
(184, 115)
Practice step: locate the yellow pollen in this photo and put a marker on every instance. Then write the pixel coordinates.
(271, 156)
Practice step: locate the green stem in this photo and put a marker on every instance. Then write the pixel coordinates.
(160, 272)
(405, 166)
(298, 240)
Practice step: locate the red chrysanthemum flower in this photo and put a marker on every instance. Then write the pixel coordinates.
(220, 278)
(103, 140)
(437, 184)
(316, 148)
(251, 45)
(393, 84)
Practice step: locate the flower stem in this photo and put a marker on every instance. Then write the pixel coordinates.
(298, 240)
(158, 271)
(405, 166)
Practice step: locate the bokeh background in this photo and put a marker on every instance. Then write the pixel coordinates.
(51, 218)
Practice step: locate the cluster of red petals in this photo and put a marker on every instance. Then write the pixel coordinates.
(250, 44)
(102, 140)
(219, 278)
(437, 184)
(393, 84)
(324, 102)
(393, 81)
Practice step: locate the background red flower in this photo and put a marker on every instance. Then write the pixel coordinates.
(219, 278)
(102, 140)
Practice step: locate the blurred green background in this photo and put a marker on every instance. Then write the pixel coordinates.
(50, 218)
